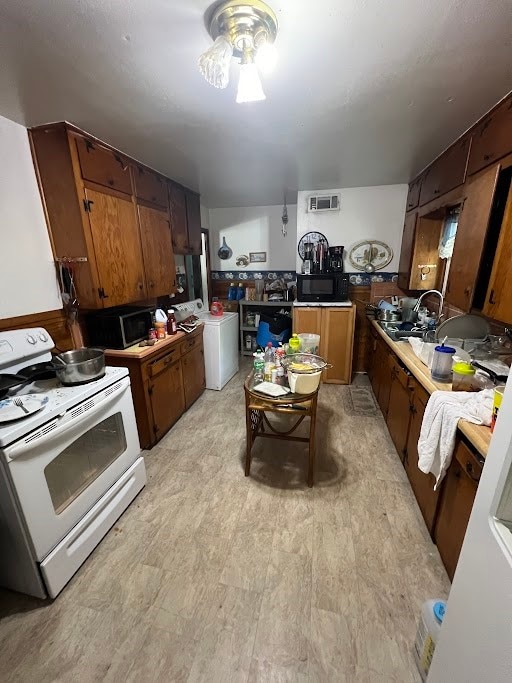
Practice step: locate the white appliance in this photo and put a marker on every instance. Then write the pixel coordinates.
(475, 642)
(220, 338)
(323, 202)
(67, 472)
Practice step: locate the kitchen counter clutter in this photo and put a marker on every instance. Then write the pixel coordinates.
(166, 380)
(402, 386)
(478, 435)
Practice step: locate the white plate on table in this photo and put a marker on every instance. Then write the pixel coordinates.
(270, 389)
(10, 411)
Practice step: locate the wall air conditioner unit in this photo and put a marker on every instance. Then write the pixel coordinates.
(323, 202)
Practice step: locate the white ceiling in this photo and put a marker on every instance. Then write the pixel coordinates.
(366, 92)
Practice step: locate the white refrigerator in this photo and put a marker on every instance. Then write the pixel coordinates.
(475, 643)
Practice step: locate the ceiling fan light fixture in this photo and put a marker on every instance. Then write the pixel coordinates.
(244, 30)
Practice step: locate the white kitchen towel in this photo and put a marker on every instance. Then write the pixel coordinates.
(442, 414)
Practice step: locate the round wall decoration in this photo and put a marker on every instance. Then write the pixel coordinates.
(311, 238)
(370, 255)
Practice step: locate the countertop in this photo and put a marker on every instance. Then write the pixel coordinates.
(142, 352)
(478, 435)
(326, 304)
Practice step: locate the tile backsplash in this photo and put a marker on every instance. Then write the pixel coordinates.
(357, 279)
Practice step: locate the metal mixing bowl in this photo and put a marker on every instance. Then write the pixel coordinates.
(79, 366)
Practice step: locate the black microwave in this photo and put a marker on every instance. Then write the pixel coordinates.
(322, 287)
(120, 327)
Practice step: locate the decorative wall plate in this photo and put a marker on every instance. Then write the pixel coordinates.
(314, 238)
(242, 261)
(370, 253)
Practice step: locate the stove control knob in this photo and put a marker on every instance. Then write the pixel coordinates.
(31, 339)
(43, 337)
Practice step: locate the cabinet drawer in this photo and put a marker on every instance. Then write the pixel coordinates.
(103, 166)
(447, 173)
(403, 376)
(156, 366)
(150, 186)
(492, 139)
(470, 463)
(191, 343)
(413, 197)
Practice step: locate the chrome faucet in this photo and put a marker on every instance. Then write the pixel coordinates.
(441, 302)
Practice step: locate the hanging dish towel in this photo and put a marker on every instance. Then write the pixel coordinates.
(442, 414)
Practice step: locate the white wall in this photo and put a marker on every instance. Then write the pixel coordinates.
(366, 212)
(256, 228)
(27, 274)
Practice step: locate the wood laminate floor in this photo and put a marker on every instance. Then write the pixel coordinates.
(211, 576)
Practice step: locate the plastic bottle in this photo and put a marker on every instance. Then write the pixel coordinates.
(269, 361)
(429, 627)
(294, 344)
(172, 326)
(232, 292)
(240, 291)
(216, 308)
(259, 368)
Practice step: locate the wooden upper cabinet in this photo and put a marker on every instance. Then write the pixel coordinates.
(150, 186)
(447, 172)
(178, 211)
(492, 138)
(103, 166)
(498, 304)
(413, 196)
(406, 251)
(159, 266)
(115, 235)
(470, 238)
(193, 222)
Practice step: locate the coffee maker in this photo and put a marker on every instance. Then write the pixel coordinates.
(335, 260)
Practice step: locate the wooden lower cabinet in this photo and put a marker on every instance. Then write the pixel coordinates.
(383, 376)
(167, 398)
(398, 414)
(457, 500)
(164, 384)
(336, 329)
(421, 484)
(194, 381)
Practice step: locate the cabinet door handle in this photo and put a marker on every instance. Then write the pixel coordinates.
(469, 472)
(487, 157)
(151, 284)
(491, 297)
(140, 285)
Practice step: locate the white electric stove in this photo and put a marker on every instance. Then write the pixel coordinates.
(67, 471)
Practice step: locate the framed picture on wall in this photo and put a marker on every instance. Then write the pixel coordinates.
(258, 256)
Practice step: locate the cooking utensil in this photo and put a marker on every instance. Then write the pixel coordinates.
(369, 268)
(224, 252)
(11, 410)
(310, 362)
(79, 366)
(18, 402)
(467, 326)
(389, 316)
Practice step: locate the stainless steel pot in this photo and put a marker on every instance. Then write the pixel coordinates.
(389, 316)
(79, 366)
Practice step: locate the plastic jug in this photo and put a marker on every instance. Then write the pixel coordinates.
(216, 308)
(442, 363)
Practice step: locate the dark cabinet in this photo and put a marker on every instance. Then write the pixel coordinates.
(406, 251)
(447, 172)
(398, 413)
(470, 238)
(492, 138)
(150, 186)
(384, 376)
(103, 166)
(498, 304)
(167, 398)
(456, 503)
(185, 220)
(421, 484)
(155, 234)
(413, 196)
(193, 222)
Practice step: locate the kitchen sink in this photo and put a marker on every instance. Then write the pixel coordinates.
(391, 329)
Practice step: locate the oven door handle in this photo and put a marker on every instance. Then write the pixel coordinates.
(68, 423)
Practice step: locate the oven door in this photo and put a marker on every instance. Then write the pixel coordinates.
(62, 469)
